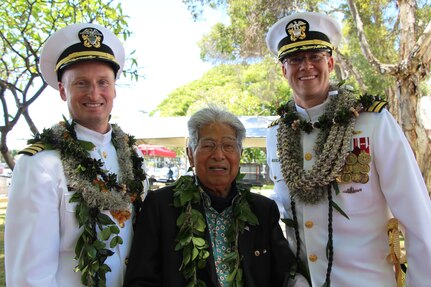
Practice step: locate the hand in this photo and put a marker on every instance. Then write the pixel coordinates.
(298, 281)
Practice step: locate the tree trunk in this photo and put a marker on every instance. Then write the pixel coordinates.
(412, 68)
(408, 78)
(5, 151)
(408, 116)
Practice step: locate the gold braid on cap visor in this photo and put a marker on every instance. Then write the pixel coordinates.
(316, 44)
(85, 55)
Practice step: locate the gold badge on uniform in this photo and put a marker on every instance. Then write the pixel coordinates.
(357, 164)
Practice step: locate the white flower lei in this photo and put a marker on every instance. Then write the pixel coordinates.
(309, 186)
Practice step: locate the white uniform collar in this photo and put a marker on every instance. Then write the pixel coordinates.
(96, 138)
(313, 114)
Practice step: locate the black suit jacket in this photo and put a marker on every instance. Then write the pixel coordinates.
(154, 262)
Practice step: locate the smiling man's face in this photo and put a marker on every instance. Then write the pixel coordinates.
(89, 90)
(217, 168)
(309, 79)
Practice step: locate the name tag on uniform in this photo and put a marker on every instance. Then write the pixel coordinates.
(274, 160)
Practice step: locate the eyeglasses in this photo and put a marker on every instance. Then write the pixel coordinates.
(313, 58)
(207, 146)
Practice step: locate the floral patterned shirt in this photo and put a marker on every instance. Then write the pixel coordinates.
(218, 224)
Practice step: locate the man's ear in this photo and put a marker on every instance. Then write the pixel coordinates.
(331, 64)
(190, 156)
(283, 70)
(62, 91)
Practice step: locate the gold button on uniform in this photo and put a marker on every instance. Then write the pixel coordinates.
(312, 257)
(308, 156)
(309, 224)
(256, 253)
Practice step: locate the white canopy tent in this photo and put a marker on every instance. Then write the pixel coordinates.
(172, 131)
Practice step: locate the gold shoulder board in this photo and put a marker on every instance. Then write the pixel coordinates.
(377, 106)
(274, 123)
(33, 149)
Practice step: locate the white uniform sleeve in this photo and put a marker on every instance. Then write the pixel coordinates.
(32, 235)
(406, 194)
(280, 194)
(146, 182)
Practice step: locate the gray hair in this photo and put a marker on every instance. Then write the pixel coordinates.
(213, 114)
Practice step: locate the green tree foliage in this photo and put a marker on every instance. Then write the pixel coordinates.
(386, 49)
(244, 89)
(253, 155)
(243, 38)
(218, 45)
(378, 17)
(24, 28)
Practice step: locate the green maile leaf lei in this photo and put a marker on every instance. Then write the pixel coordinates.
(192, 225)
(97, 190)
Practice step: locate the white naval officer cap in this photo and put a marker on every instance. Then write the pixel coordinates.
(303, 32)
(78, 43)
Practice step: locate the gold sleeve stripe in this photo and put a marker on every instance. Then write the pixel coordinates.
(33, 149)
(377, 106)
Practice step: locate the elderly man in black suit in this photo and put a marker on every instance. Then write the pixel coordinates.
(207, 229)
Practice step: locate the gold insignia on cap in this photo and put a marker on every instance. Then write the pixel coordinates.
(296, 29)
(91, 37)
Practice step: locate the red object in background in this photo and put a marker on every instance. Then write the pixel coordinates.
(156, 150)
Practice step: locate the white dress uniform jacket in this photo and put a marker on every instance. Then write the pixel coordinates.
(41, 229)
(395, 188)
